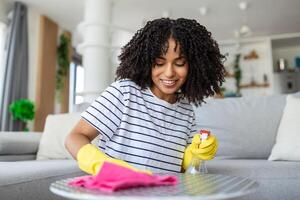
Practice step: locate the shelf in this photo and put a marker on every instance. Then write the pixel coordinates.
(229, 75)
(289, 70)
(255, 85)
(251, 56)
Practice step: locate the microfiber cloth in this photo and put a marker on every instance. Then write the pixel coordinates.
(112, 177)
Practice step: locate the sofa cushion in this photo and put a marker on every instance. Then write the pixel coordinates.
(14, 143)
(33, 190)
(26, 171)
(17, 157)
(246, 127)
(31, 179)
(288, 136)
(57, 127)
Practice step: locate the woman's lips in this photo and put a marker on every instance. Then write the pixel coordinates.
(168, 83)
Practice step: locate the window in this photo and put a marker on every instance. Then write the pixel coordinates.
(2, 42)
(76, 81)
(79, 84)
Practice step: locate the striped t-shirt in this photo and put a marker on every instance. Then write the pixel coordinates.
(141, 129)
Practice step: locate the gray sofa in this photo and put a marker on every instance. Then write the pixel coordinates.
(246, 129)
(23, 177)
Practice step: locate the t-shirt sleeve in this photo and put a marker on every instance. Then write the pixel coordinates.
(105, 113)
(193, 130)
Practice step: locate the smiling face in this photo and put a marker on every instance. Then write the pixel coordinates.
(169, 73)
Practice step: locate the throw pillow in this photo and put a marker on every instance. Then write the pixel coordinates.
(288, 135)
(56, 129)
(246, 127)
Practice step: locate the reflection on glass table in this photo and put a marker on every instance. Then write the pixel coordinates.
(200, 187)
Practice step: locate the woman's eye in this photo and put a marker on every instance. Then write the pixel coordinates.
(180, 63)
(159, 64)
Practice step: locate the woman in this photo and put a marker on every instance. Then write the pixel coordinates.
(145, 117)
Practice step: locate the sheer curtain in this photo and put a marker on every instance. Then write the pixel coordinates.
(15, 76)
(2, 40)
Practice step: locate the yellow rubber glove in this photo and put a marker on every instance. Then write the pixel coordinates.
(205, 150)
(90, 160)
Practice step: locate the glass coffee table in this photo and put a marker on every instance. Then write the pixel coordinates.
(201, 187)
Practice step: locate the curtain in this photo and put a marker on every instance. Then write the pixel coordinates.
(15, 67)
(2, 41)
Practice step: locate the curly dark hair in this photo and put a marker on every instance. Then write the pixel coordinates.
(205, 72)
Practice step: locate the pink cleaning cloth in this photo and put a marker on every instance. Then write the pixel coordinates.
(113, 177)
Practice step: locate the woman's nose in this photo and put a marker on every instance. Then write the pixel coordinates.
(169, 70)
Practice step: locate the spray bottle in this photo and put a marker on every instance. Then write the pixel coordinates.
(197, 165)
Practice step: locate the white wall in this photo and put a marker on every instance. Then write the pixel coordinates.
(4, 7)
(33, 30)
(119, 38)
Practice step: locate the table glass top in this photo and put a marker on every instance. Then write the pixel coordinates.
(207, 186)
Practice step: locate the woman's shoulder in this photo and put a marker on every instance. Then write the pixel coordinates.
(126, 82)
(127, 85)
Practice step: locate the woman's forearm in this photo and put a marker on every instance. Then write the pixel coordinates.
(82, 134)
(74, 142)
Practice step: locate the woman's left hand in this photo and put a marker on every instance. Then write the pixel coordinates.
(204, 150)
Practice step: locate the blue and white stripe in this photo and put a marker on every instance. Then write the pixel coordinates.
(140, 128)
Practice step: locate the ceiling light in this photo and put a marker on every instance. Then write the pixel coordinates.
(245, 30)
(243, 5)
(165, 14)
(203, 10)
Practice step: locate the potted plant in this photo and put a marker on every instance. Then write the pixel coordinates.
(237, 74)
(23, 110)
(63, 61)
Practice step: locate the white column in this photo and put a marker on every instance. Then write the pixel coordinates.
(95, 47)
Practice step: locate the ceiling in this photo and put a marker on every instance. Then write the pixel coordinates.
(264, 17)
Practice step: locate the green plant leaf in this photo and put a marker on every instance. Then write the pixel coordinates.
(22, 109)
(63, 63)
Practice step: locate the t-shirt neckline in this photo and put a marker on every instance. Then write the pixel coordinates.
(161, 101)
